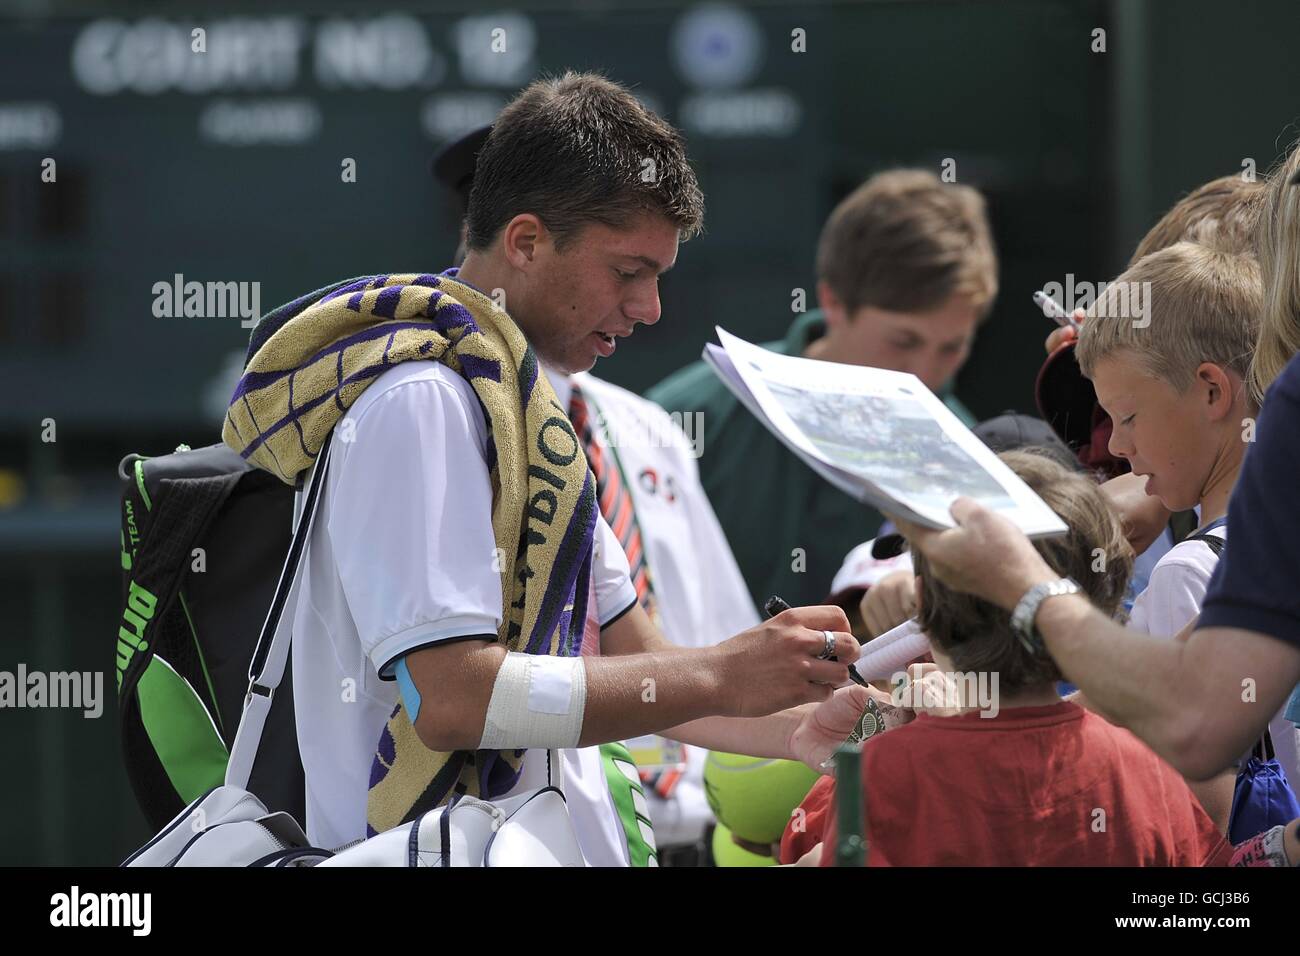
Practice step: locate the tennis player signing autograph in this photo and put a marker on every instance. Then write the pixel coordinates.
(460, 572)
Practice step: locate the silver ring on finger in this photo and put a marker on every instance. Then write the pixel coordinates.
(829, 650)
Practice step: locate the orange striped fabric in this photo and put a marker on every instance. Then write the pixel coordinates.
(616, 507)
(615, 499)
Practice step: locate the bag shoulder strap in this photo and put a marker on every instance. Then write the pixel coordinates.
(159, 532)
(1212, 541)
(271, 654)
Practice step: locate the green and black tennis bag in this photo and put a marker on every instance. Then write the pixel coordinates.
(204, 541)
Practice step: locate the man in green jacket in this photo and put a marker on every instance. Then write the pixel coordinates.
(906, 270)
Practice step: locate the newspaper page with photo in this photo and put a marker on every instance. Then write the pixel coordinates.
(880, 436)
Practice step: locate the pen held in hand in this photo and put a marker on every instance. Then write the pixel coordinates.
(1055, 312)
(775, 605)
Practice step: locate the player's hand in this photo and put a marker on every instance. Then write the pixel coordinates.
(776, 665)
(822, 729)
(825, 727)
(985, 555)
(889, 602)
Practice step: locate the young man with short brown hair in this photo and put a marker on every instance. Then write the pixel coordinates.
(464, 610)
(906, 271)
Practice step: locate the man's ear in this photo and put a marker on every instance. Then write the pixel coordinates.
(832, 306)
(1220, 387)
(521, 240)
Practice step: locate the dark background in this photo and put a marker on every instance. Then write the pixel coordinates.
(228, 169)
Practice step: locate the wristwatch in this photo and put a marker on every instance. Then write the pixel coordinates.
(1022, 618)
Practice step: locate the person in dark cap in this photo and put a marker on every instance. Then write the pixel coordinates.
(453, 167)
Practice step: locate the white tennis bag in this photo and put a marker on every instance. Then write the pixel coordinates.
(229, 826)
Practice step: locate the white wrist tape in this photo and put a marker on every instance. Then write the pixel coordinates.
(537, 701)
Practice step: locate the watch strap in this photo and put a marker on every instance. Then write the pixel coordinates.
(1026, 610)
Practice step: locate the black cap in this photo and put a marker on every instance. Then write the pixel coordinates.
(1012, 430)
(453, 164)
(1006, 432)
(888, 546)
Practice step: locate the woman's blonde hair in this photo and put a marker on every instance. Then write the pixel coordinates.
(1223, 213)
(1278, 240)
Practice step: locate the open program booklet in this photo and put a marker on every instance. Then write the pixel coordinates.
(880, 436)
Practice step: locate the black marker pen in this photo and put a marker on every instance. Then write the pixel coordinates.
(775, 605)
(1055, 312)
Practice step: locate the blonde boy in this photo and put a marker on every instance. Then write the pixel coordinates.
(1173, 381)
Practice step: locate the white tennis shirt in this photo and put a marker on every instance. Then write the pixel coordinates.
(400, 558)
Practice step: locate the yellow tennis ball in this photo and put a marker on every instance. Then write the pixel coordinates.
(754, 796)
(727, 853)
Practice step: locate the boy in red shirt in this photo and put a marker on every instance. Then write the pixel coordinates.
(1016, 776)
